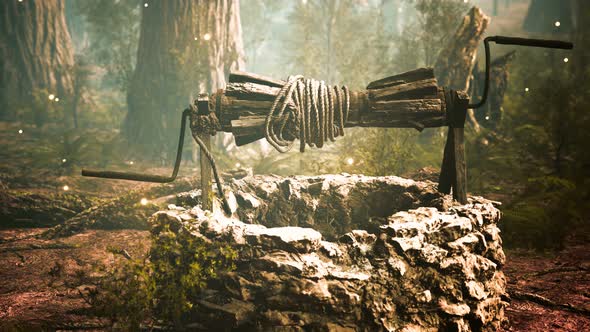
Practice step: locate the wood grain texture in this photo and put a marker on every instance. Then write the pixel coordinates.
(456, 60)
(35, 53)
(407, 100)
(410, 76)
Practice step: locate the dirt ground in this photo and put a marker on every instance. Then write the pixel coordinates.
(39, 281)
(562, 277)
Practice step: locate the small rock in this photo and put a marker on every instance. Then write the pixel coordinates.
(404, 244)
(424, 297)
(247, 200)
(476, 289)
(460, 309)
(294, 239)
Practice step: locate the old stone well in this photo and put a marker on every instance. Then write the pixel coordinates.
(347, 253)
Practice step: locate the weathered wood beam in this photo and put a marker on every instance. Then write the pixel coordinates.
(243, 77)
(203, 108)
(410, 76)
(453, 174)
(251, 91)
(407, 100)
(420, 89)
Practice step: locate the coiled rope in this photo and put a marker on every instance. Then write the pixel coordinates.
(309, 110)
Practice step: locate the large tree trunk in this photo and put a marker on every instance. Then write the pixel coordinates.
(186, 47)
(35, 53)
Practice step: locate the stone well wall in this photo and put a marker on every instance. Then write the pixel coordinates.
(390, 255)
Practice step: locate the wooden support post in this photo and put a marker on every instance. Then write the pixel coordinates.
(206, 194)
(453, 174)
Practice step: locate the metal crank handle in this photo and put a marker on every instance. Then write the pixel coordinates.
(532, 42)
(513, 41)
(147, 177)
(128, 176)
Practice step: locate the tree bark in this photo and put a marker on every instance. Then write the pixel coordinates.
(186, 47)
(36, 54)
(456, 61)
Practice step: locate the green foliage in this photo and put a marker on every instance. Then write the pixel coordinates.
(437, 21)
(430, 24)
(113, 29)
(164, 287)
(541, 218)
(125, 295)
(333, 41)
(537, 157)
(182, 266)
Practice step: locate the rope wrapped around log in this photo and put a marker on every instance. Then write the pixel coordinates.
(318, 114)
(253, 107)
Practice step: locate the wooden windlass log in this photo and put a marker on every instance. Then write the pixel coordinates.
(408, 100)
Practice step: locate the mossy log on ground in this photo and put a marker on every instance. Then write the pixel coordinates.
(19, 208)
(123, 212)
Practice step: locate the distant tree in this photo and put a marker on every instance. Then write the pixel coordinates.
(333, 40)
(423, 38)
(543, 15)
(81, 75)
(185, 47)
(35, 54)
(108, 36)
(257, 20)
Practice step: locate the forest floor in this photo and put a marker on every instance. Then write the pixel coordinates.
(41, 281)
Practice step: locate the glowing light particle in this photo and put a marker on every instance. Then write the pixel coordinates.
(557, 24)
(64, 160)
(145, 5)
(350, 161)
(487, 117)
(566, 60)
(66, 188)
(131, 162)
(196, 38)
(56, 99)
(143, 201)
(238, 165)
(526, 89)
(20, 131)
(51, 96)
(207, 36)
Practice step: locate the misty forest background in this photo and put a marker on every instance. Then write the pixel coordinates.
(103, 83)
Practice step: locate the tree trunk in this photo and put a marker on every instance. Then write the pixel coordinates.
(455, 62)
(35, 54)
(186, 47)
